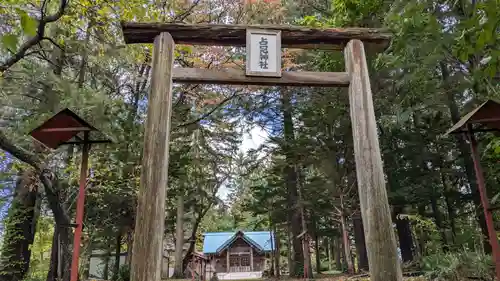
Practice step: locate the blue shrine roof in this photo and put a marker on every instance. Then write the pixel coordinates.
(215, 242)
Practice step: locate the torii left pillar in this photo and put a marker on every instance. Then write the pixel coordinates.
(147, 248)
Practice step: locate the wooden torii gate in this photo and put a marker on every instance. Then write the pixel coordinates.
(380, 239)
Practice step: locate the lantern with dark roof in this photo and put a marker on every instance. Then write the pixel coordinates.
(68, 128)
(485, 118)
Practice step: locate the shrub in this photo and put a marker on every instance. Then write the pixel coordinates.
(123, 274)
(458, 266)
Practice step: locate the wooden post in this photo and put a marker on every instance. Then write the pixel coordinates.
(80, 206)
(148, 237)
(380, 239)
(227, 258)
(251, 258)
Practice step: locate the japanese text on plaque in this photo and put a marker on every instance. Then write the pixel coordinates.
(264, 53)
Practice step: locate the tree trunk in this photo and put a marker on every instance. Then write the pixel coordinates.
(448, 195)
(468, 164)
(289, 251)
(308, 272)
(422, 236)
(359, 238)
(179, 238)
(54, 255)
(318, 253)
(342, 254)
(353, 263)
(337, 244)
(316, 244)
(118, 250)
(439, 221)
(347, 246)
(52, 191)
(277, 253)
(291, 185)
(20, 228)
(451, 216)
(192, 242)
(416, 236)
(106, 264)
(274, 260)
(272, 241)
(328, 252)
(130, 242)
(404, 235)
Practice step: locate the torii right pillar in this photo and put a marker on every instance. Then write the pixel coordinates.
(379, 234)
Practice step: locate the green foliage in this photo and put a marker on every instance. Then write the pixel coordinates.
(217, 220)
(40, 249)
(28, 24)
(9, 41)
(420, 223)
(123, 274)
(311, 21)
(458, 266)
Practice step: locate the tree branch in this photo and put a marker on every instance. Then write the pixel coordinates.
(20, 153)
(209, 112)
(47, 177)
(48, 180)
(185, 14)
(53, 42)
(40, 34)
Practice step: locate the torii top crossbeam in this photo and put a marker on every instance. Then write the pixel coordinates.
(235, 35)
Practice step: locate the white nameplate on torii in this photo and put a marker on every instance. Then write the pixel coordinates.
(263, 53)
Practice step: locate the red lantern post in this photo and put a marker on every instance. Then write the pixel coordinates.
(484, 118)
(68, 128)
